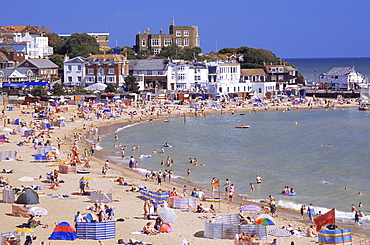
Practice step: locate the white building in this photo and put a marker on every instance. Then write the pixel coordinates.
(186, 76)
(225, 76)
(256, 81)
(342, 78)
(36, 45)
(74, 71)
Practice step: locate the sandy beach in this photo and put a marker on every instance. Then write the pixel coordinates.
(127, 204)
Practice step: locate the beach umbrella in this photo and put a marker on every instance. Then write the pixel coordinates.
(91, 216)
(26, 179)
(88, 179)
(24, 232)
(167, 215)
(250, 208)
(37, 211)
(279, 233)
(264, 219)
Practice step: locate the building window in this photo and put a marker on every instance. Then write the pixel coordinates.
(186, 41)
(156, 51)
(79, 79)
(186, 33)
(197, 42)
(90, 71)
(149, 73)
(198, 78)
(79, 68)
(143, 42)
(100, 71)
(69, 68)
(111, 71)
(155, 42)
(69, 79)
(111, 79)
(181, 77)
(160, 73)
(167, 41)
(178, 42)
(178, 33)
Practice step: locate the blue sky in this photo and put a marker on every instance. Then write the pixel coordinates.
(289, 28)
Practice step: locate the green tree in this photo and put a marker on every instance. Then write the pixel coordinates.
(227, 51)
(57, 59)
(58, 44)
(131, 84)
(143, 54)
(58, 89)
(38, 91)
(81, 45)
(110, 88)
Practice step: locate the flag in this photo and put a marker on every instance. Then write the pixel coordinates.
(325, 219)
(216, 183)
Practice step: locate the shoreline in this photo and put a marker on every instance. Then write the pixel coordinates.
(127, 204)
(237, 200)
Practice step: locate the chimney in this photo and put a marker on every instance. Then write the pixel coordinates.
(160, 31)
(66, 58)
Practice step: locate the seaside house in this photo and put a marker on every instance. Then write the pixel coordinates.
(224, 78)
(256, 81)
(74, 71)
(33, 45)
(342, 78)
(105, 68)
(44, 69)
(151, 74)
(187, 76)
(10, 58)
(286, 77)
(13, 77)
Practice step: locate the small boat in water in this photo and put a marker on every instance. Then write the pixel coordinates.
(243, 126)
(363, 107)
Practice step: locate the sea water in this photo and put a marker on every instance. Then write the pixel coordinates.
(311, 68)
(319, 153)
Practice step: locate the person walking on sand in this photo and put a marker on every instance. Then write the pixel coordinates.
(310, 213)
(227, 185)
(303, 208)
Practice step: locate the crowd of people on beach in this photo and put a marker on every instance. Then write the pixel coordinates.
(43, 136)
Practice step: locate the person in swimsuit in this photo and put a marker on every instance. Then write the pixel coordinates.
(258, 179)
(310, 212)
(252, 187)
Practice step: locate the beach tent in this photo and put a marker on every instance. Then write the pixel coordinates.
(16, 121)
(96, 230)
(8, 155)
(2, 138)
(27, 197)
(335, 237)
(63, 231)
(6, 235)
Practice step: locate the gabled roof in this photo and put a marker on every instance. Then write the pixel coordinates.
(39, 63)
(3, 57)
(7, 49)
(14, 72)
(148, 65)
(78, 59)
(253, 72)
(339, 71)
